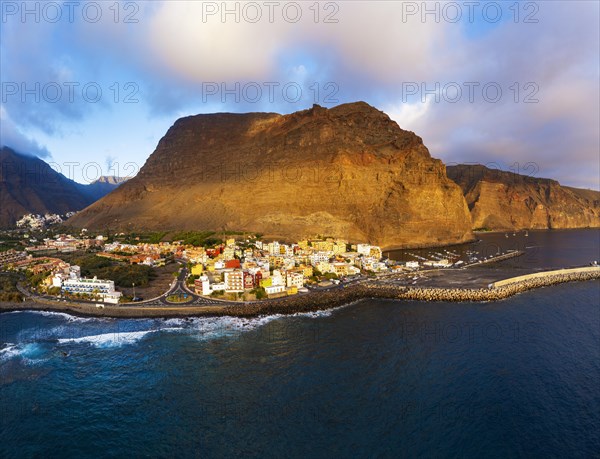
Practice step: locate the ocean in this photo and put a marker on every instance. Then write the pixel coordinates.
(515, 378)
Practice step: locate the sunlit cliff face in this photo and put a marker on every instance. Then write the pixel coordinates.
(347, 172)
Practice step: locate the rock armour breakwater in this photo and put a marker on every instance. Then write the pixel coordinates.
(321, 300)
(482, 294)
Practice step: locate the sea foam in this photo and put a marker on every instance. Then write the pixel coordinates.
(113, 339)
(67, 317)
(27, 351)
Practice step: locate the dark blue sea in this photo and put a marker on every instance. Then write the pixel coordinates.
(381, 379)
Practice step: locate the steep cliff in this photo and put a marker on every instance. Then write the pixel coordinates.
(349, 172)
(501, 200)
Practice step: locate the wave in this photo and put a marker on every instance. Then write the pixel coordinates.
(26, 351)
(323, 312)
(204, 328)
(217, 327)
(207, 328)
(114, 339)
(67, 317)
(12, 350)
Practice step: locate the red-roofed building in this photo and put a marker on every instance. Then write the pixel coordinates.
(232, 264)
(213, 252)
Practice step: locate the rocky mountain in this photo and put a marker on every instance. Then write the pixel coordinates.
(348, 172)
(101, 187)
(30, 185)
(500, 200)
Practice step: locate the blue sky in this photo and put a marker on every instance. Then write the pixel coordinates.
(431, 71)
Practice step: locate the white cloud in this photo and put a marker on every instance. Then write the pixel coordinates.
(369, 53)
(407, 115)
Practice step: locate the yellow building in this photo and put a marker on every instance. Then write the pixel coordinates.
(266, 282)
(341, 269)
(307, 270)
(324, 267)
(292, 290)
(276, 262)
(197, 270)
(375, 252)
(339, 247)
(323, 246)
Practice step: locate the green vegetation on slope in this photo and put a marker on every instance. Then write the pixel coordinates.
(8, 287)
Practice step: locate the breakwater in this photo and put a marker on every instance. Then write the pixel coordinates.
(327, 299)
(545, 274)
(505, 256)
(483, 294)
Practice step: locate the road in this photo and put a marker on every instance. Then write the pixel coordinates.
(179, 288)
(425, 278)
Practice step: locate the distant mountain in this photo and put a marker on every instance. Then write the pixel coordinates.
(348, 172)
(30, 185)
(500, 200)
(102, 186)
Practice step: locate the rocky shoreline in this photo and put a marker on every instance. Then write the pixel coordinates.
(313, 302)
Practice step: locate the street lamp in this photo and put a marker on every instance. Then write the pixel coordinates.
(133, 285)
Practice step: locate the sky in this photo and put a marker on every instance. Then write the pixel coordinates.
(91, 87)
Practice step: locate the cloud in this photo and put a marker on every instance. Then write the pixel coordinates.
(11, 136)
(367, 55)
(559, 132)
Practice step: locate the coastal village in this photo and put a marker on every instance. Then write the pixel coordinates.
(230, 269)
(266, 269)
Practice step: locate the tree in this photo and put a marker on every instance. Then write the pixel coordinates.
(54, 291)
(260, 293)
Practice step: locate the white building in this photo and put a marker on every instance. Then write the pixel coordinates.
(444, 263)
(219, 264)
(228, 253)
(295, 280)
(273, 289)
(234, 281)
(364, 249)
(277, 278)
(103, 289)
(202, 285)
(218, 287)
(318, 257)
(369, 250)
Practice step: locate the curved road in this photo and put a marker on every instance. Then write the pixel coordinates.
(179, 287)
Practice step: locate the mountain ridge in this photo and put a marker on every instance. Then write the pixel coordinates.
(29, 185)
(501, 200)
(348, 171)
